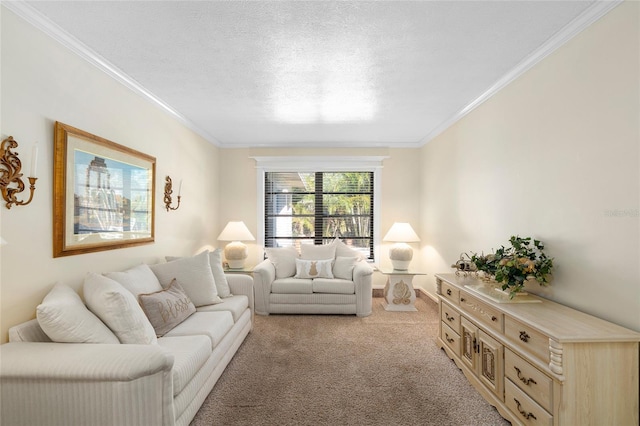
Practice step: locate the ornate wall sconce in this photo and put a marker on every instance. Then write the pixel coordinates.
(167, 194)
(11, 183)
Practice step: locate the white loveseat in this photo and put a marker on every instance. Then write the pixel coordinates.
(326, 279)
(161, 382)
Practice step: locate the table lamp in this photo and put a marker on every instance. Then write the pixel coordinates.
(236, 252)
(401, 253)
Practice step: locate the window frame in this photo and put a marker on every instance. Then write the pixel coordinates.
(321, 164)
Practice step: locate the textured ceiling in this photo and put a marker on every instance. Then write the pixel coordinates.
(314, 73)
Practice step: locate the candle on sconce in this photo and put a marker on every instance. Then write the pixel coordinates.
(180, 188)
(34, 160)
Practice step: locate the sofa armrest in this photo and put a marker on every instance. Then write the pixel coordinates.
(264, 274)
(242, 284)
(88, 384)
(363, 282)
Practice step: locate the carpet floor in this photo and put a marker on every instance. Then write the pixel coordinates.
(384, 369)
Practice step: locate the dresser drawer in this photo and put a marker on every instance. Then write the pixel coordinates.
(525, 408)
(482, 312)
(451, 338)
(450, 316)
(529, 379)
(450, 293)
(527, 338)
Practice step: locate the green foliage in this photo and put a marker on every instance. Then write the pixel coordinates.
(513, 266)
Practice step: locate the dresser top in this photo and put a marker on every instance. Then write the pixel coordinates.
(557, 321)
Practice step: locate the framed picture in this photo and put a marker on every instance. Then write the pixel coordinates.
(103, 194)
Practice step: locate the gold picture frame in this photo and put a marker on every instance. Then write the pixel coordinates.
(103, 194)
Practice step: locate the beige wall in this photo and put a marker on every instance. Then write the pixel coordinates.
(555, 155)
(399, 190)
(42, 82)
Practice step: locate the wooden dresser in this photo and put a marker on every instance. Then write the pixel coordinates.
(540, 363)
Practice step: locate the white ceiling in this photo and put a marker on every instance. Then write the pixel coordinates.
(315, 73)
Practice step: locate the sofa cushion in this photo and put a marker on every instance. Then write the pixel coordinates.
(190, 353)
(194, 275)
(314, 268)
(219, 278)
(235, 304)
(214, 325)
(292, 286)
(318, 252)
(334, 286)
(139, 279)
(215, 259)
(166, 308)
(283, 259)
(343, 267)
(65, 319)
(118, 308)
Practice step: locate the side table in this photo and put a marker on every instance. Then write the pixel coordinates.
(245, 270)
(399, 294)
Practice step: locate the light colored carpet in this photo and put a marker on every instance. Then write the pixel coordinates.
(384, 369)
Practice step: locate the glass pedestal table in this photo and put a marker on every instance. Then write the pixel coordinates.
(399, 294)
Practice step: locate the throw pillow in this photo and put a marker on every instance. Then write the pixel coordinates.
(343, 267)
(215, 260)
(313, 252)
(139, 279)
(283, 259)
(345, 250)
(65, 319)
(313, 268)
(118, 308)
(167, 308)
(195, 275)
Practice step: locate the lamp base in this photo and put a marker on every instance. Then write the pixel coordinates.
(236, 253)
(400, 255)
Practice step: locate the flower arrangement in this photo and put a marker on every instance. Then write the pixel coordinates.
(513, 266)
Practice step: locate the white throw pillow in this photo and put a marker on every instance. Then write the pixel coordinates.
(283, 259)
(194, 275)
(65, 319)
(343, 267)
(313, 268)
(215, 259)
(313, 252)
(344, 250)
(118, 308)
(139, 279)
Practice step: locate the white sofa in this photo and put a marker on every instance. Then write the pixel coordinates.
(161, 383)
(282, 288)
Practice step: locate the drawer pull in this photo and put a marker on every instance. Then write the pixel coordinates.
(449, 318)
(449, 339)
(524, 413)
(494, 318)
(462, 299)
(524, 336)
(448, 292)
(522, 379)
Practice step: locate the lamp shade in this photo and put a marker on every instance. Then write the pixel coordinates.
(236, 231)
(401, 232)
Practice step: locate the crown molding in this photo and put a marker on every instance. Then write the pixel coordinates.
(42, 23)
(319, 163)
(580, 23)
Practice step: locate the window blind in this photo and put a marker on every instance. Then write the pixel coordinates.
(317, 207)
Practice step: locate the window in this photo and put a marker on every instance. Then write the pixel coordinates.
(313, 200)
(317, 207)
